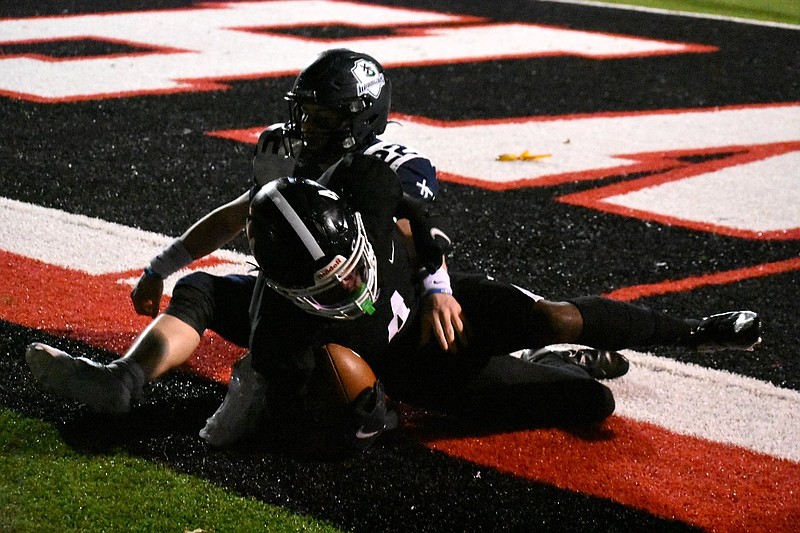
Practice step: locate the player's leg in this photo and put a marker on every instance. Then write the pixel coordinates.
(548, 389)
(597, 321)
(611, 324)
(497, 391)
(482, 381)
(166, 343)
(104, 388)
(197, 303)
(548, 392)
(243, 410)
(508, 318)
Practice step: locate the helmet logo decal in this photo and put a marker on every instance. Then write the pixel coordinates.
(370, 79)
(325, 271)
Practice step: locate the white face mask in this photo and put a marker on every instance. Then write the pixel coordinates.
(346, 288)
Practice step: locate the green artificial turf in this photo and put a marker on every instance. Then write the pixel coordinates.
(786, 11)
(47, 486)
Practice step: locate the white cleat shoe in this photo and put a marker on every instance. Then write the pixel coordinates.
(242, 411)
(78, 378)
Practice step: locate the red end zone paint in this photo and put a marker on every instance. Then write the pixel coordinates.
(92, 309)
(717, 487)
(719, 278)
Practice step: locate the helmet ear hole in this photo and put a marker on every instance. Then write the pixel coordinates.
(356, 106)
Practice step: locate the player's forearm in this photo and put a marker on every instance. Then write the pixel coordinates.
(217, 228)
(207, 235)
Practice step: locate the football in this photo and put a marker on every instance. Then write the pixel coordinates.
(340, 376)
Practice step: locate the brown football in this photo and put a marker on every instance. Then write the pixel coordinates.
(341, 374)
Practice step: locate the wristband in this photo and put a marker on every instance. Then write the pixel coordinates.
(173, 258)
(439, 291)
(150, 273)
(437, 283)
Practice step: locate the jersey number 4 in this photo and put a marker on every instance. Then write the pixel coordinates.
(400, 312)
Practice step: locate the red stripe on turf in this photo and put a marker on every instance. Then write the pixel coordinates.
(711, 485)
(92, 309)
(718, 487)
(695, 282)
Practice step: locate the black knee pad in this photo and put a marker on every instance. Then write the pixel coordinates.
(192, 300)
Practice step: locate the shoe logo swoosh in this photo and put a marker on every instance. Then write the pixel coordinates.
(361, 434)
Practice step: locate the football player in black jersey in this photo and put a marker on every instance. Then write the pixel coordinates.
(482, 378)
(339, 104)
(345, 277)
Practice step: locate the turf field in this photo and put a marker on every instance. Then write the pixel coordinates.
(667, 175)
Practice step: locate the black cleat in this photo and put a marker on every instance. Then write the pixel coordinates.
(599, 364)
(738, 330)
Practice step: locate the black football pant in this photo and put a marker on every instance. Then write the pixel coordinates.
(218, 303)
(482, 382)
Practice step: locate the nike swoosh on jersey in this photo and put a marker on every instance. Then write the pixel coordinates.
(391, 256)
(436, 231)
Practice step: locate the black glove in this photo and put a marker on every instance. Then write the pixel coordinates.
(429, 230)
(369, 417)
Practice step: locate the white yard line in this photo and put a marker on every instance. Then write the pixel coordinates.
(710, 404)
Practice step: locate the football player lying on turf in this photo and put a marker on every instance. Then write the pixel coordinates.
(331, 114)
(344, 277)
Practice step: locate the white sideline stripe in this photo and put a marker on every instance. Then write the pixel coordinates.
(711, 404)
(686, 399)
(88, 244)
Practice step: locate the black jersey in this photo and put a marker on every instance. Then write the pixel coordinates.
(282, 335)
(416, 172)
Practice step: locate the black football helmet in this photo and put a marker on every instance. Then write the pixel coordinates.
(312, 249)
(339, 103)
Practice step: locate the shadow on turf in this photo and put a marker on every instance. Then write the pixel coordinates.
(427, 426)
(166, 424)
(169, 418)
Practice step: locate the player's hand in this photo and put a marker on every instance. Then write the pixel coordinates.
(272, 160)
(442, 317)
(146, 295)
(369, 417)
